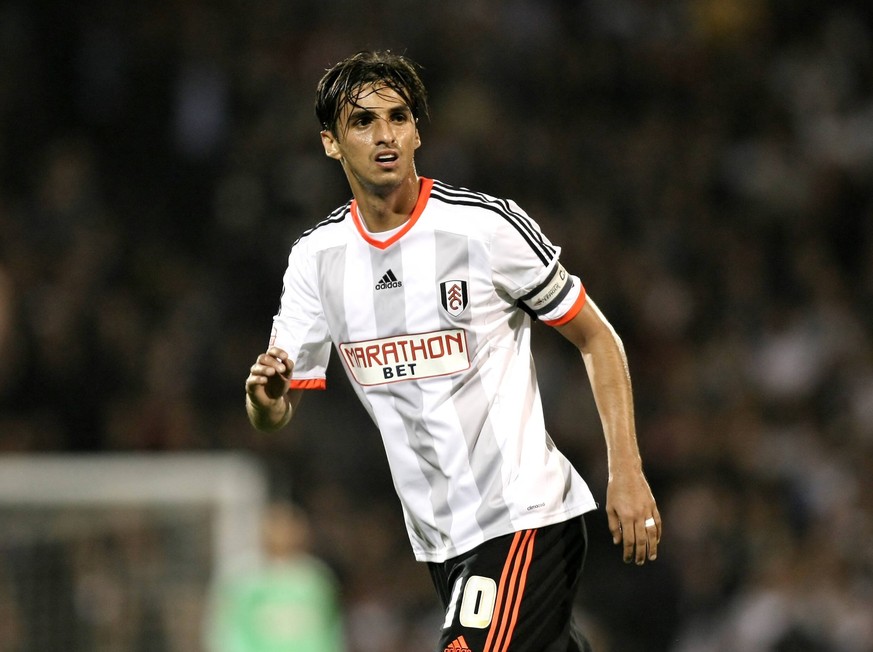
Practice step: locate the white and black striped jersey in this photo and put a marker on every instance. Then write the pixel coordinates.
(432, 323)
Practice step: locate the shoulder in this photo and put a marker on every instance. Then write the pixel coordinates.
(325, 228)
(502, 216)
(459, 196)
(463, 198)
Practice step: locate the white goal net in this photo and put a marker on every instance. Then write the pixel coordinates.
(116, 552)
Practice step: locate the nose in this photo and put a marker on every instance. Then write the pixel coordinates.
(384, 132)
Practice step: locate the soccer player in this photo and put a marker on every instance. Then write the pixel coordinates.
(427, 292)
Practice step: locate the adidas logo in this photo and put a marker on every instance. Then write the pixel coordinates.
(388, 280)
(458, 645)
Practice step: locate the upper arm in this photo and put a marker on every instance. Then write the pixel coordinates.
(300, 327)
(585, 326)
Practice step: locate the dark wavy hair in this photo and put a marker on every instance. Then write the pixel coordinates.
(343, 82)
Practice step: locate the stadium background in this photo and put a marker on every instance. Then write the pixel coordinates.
(706, 165)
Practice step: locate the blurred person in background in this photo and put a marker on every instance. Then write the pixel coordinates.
(428, 292)
(290, 604)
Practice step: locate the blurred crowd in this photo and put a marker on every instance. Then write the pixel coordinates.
(706, 166)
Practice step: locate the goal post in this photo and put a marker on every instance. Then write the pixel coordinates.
(117, 551)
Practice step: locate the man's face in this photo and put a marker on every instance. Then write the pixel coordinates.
(375, 141)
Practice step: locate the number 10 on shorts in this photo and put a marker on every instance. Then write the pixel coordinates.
(477, 604)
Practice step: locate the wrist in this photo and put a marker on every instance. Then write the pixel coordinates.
(268, 416)
(631, 464)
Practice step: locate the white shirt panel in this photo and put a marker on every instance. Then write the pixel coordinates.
(359, 316)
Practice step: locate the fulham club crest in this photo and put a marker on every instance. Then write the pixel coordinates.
(453, 295)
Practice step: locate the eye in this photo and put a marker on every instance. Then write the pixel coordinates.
(362, 121)
(399, 117)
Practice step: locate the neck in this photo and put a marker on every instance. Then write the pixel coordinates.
(383, 211)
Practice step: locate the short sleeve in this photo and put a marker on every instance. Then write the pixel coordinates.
(300, 327)
(527, 267)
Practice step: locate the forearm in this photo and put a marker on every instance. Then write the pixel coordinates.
(606, 364)
(633, 515)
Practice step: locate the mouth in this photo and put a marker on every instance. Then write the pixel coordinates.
(387, 158)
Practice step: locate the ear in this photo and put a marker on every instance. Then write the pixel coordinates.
(331, 145)
(417, 140)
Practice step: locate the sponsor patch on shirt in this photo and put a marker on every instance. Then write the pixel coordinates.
(407, 357)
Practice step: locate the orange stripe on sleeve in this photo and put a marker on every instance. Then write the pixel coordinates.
(308, 383)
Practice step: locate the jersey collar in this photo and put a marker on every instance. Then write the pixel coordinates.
(423, 196)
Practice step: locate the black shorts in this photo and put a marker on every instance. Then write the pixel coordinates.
(514, 593)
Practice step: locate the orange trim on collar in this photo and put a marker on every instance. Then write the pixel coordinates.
(423, 196)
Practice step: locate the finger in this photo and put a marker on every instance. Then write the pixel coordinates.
(652, 547)
(286, 366)
(278, 360)
(614, 527)
(276, 352)
(266, 360)
(256, 389)
(280, 356)
(262, 389)
(653, 535)
(254, 380)
(646, 538)
(633, 539)
(267, 365)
